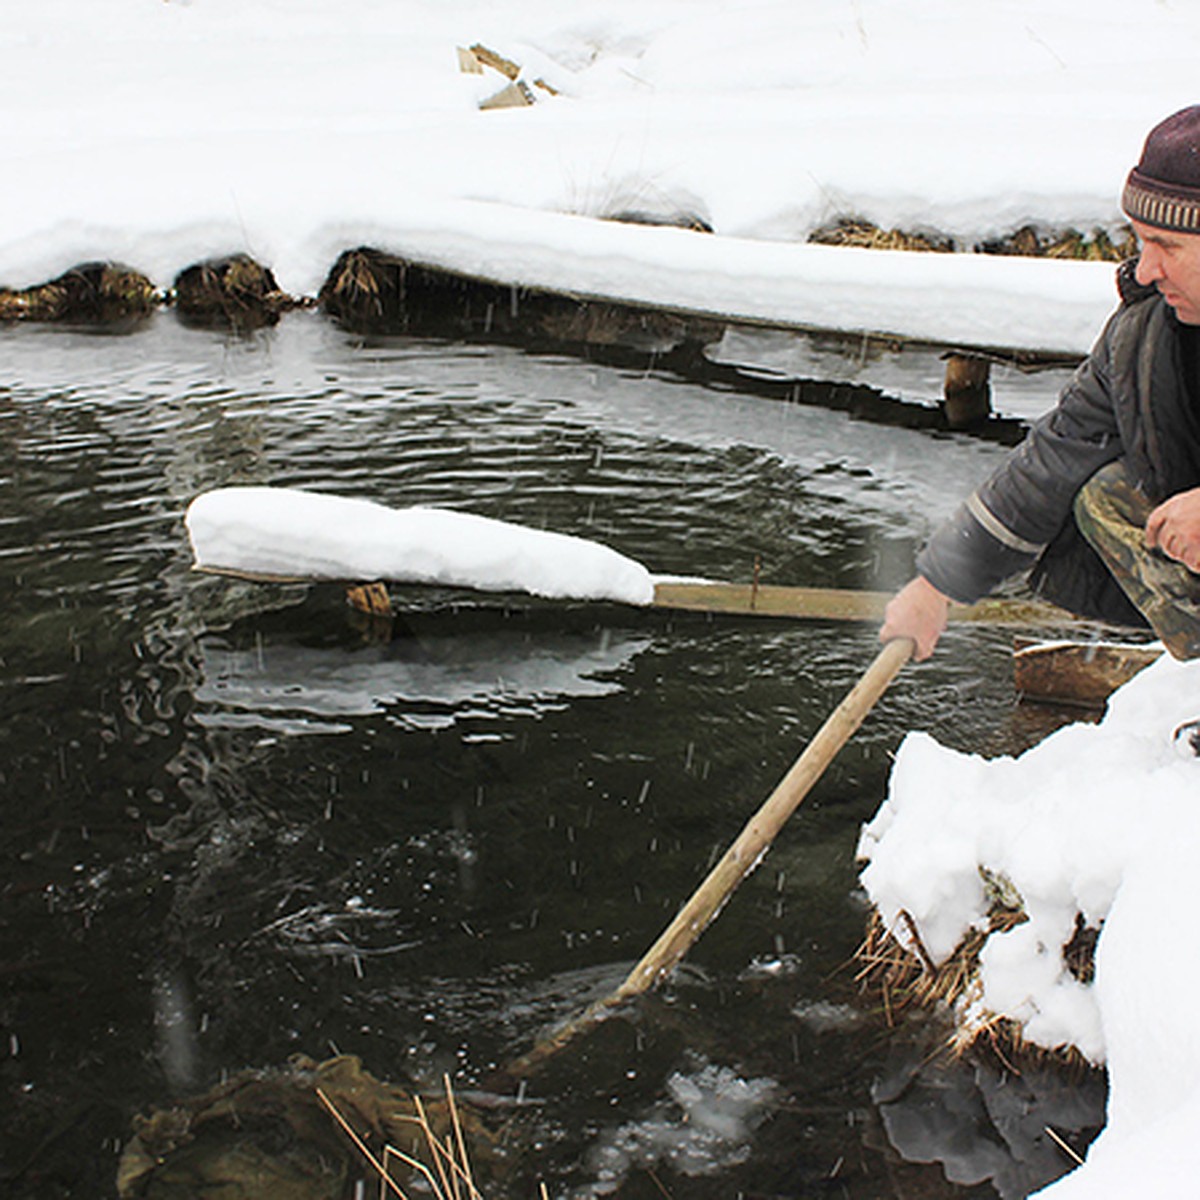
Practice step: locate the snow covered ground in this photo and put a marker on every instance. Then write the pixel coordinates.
(160, 132)
(1099, 821)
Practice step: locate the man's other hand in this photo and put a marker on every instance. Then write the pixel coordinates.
(1174, 528)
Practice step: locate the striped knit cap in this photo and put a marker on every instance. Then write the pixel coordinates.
(1164, 188)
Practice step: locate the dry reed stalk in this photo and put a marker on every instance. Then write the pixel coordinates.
(449, 1178)
(908, 977)
(361, 1146)
(354, 283)
(1067, 1149)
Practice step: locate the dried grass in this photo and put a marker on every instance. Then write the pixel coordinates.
(234, 291)
(444, 1167)
(1026, 242)
(853, 231)
(98, 291)
(906, 979)
(360, 285)
(1098, 246)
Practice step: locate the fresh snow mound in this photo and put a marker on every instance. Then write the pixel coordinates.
(1099, 823)
(286, 533)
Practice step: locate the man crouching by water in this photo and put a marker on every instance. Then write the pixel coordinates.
(1102, 498)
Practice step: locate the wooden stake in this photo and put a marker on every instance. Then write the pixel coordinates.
(966, 392)
(740, 859)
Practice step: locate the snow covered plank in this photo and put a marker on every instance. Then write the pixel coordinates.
(286, 535)
(967, 301)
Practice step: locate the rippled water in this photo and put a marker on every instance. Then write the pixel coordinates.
(239, 824)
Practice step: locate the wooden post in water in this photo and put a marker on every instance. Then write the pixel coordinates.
(966, 392)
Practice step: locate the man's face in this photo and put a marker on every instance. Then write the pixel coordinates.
(1171, 261)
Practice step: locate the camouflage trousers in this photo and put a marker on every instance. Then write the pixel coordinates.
(1111, 514)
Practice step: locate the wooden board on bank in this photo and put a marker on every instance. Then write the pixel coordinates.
(1076, 673)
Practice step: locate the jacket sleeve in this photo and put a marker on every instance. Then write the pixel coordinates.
(1006, 523)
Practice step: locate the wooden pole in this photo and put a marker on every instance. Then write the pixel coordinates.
(831, 604)
(740, 859)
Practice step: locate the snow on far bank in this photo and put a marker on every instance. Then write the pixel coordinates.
(1100, 822)
(960, 299)
(287, 533)
(160, 132)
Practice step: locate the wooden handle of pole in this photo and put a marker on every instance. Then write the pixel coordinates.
(743, 855)
(760, 831)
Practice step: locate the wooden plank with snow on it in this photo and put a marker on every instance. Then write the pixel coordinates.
(979, 302)
(1077, 674)
(730, 599)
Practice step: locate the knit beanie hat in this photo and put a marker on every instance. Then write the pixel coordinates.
(1164, 188)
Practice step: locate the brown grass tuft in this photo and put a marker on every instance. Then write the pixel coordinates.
(902, 973)
(1028, 242)
(853, 231)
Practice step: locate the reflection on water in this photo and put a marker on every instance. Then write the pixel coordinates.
(515, 797)
(913, 373)
(425, 683)
(984, 1124)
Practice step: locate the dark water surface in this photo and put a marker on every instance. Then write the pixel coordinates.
(238, 826)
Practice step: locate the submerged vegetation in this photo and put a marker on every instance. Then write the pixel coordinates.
(307, 1132)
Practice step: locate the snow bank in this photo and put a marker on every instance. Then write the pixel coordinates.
(286, 533)
(961, 299)
(162, 133)
(1098, 822)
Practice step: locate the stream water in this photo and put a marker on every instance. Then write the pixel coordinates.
(240, 825)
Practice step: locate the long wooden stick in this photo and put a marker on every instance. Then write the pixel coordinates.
(740, 859)
(745, 599)
(830, 604)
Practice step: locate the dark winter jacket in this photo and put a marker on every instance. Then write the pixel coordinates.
(1133, 398)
